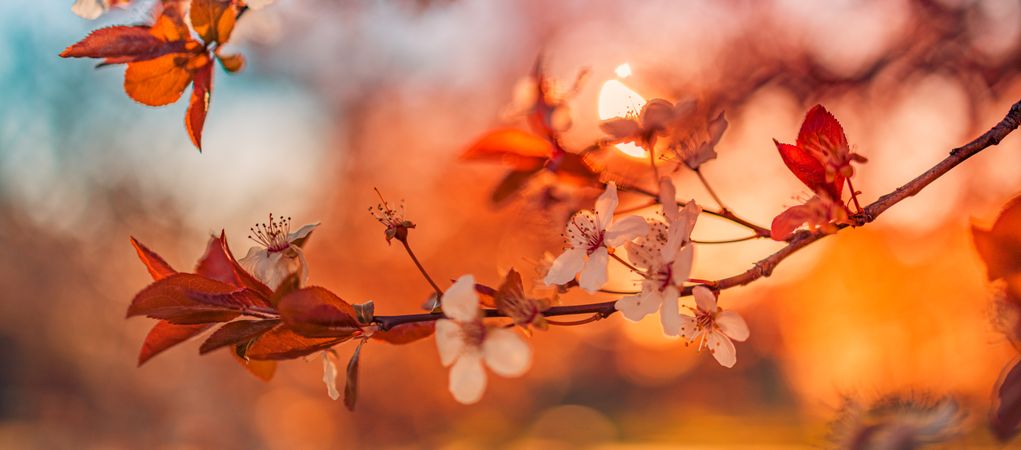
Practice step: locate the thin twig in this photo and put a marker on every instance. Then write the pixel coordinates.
(626, 264)
(727, 241)
(571, 323)
(613, 291)
(854, 195)
(708, 188)
(439, 292)
(723, 214)
(801, 239)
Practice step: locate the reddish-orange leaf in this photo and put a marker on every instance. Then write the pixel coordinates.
(159, 81)
(317, 312)
(201, 94)
(232, 63)
(821, 126)
(165, 335)
(263, 370)
(1000, 246)
(784, 224)
(157, 267)
(236, 332)
(213, 20)
(186, 298)
(574, 169)
(219, 264)
(406, 333)
(511, 183)
(123, 43)
(170, 26)
(1006, 415)
(515, 148)
(809, 170)
(282, 343)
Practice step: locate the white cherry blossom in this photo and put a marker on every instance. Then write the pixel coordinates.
(278, 253)
(590, 235)
(465, 344)
(665, 255)
(714, 328)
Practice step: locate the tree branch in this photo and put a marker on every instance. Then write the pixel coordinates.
(801, 239)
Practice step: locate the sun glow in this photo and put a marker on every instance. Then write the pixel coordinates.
(618, 100)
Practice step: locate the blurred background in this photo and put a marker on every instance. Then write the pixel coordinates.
(341, 96)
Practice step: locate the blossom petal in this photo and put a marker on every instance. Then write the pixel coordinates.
(468, 378)
(449, 341)
(506, 353)
(645, 251)
(258, 4)
(301, 234)
(669, 314)
(733, 325)
(606, 204)
(565, 267)
(722, 349)
(625, 230)
(636, 307)
(330, 375)
(88, 9)
(619, 128)
(681, 269)
(594, 275)
(668, 199)
(460, 302)
(704, 298)
(689, 328)
(687, 218)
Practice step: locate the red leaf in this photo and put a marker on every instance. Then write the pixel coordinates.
(820, 125)
(157, 267)
(351, 385)
(511, 183)
(219, 264)
(317, 312)
(809, 170)
(201, 94)
(282, 343)
(784, 224)
(237, 332)
(573, 168)
(185, 298)
(1000, 246)
(123, 44)
(165, 335)
(1006, 415)
(406, 333)
(512, 147)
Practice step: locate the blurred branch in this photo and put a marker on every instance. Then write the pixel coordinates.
(801, 239)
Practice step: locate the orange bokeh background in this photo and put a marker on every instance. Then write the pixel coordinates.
(341, 97)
